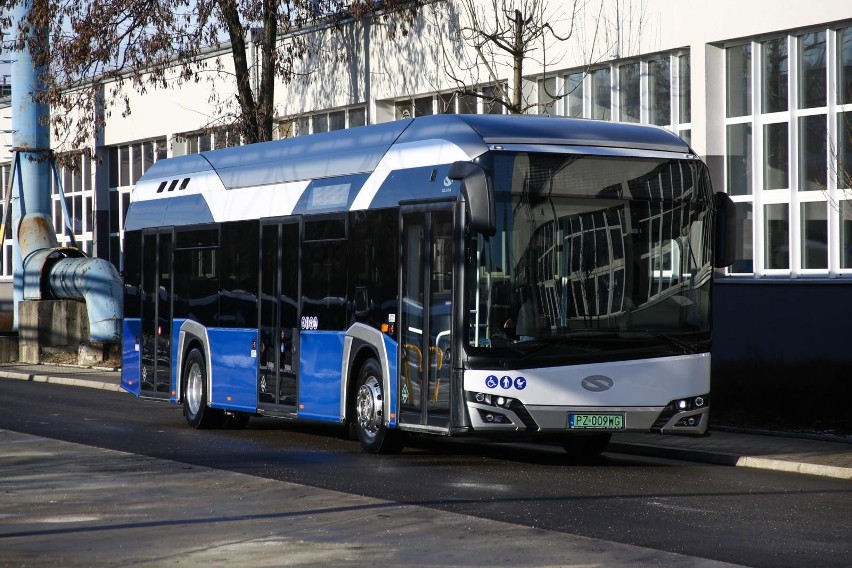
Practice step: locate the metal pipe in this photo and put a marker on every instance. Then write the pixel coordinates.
(31, 140)
(43, 269)
(97, 282)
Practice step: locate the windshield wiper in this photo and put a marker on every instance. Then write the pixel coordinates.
(547, 343)
(688, 348)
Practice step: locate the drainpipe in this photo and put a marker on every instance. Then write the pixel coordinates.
(44, 270)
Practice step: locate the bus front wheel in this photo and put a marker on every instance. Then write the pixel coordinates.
(195, 408)
(375, 437)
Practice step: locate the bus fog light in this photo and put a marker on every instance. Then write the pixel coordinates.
(690, 421)
(489, 417)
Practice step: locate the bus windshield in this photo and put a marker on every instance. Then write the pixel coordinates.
(594, 258)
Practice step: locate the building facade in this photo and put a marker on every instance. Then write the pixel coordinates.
(761, 90)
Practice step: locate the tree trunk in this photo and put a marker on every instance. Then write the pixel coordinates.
(518, 63)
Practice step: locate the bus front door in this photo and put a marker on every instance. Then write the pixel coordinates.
(279, 318)
(156, 329)
(426, 317)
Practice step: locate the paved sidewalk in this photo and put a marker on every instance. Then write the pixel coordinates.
(808, 455)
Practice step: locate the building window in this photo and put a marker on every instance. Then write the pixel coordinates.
(126, 165)
(482, 100)
(739, 159)
(326, 121)
(812, 91)
(787, 159)
(628, 92)
(739, 80)
(653, 90)
(684, 88)
(814, 238)
(660, 92)
(813, 153)
(74, 181)
(601, 94)
(574, 88)
(777, 234)
(844, 83)
(775, 162)
(215, 139)
(774, 88)
(547, 96)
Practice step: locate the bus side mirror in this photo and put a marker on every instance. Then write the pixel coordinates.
(724, 241)
(479, 195)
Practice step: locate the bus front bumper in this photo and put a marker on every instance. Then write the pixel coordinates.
(682, 417)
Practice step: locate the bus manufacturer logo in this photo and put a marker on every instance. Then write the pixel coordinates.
(597, 383)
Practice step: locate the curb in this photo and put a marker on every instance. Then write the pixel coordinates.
(732, 460)
(33, 378)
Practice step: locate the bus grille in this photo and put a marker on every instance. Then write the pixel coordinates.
(518, 408)
(663, 418)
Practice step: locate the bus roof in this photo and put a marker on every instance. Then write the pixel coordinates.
(355, 168)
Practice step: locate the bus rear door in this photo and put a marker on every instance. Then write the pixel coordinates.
(279, 318)
(156, 325)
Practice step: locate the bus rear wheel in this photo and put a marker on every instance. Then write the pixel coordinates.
(195, 409)
(587, 446)
(375, 437)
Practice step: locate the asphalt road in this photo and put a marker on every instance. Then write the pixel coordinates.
(737, 515)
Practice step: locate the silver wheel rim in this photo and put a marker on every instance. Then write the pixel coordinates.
(369, 407)
(193, 388)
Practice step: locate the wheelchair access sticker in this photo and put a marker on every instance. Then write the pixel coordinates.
(505, 382)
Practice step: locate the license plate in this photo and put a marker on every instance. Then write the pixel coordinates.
(596, 421)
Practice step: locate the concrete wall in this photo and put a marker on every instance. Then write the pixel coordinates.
(51, 323)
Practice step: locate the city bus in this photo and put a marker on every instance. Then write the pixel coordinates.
(516, 277)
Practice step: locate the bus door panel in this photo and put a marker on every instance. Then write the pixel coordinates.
(278, 334)
(156, 324)
(426, 316)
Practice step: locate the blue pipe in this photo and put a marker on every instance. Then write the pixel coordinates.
(31, 189)
(97, 282)
(42, 269)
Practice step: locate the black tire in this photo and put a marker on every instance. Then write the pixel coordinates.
(195, 409)
(368, 412)
(585, 446)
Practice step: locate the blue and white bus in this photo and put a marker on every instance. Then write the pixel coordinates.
(514, 276)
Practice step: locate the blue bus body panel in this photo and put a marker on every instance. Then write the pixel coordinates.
(234, 372)
(130, 356)
(391, 349)
(320, 365)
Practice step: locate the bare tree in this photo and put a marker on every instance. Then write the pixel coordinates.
(503, 35)
(493, 42)
(136, 45)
